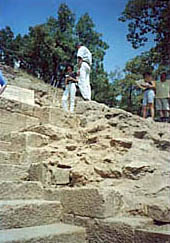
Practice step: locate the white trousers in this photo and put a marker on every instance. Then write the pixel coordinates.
(84, 81)
(69, 91)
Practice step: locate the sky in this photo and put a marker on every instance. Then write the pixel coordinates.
(21, 14)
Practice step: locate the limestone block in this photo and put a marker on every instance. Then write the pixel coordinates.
(56, 116)
(12, 121)
(20, 190)
(118, 230)
(25, 213)
(5, 146)
(88, 201)
(19, 94)
(150, 236)
(110, 230)
(24, 140)
(13, 172)
(52, 233)
(51, 175)
(7, 157)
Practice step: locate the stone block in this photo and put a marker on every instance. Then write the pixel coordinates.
(20, 190)
(110, 230)
(151, 236)
(13, 172)
(48, 174)
(25, 213)
(13, 158)
(13, 121)
(19, 94)
(53, 233)
(88, 201)
(23, 140)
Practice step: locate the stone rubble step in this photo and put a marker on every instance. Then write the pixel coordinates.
(26, 213)
(21, 190)
(54, 233)
(13, 172)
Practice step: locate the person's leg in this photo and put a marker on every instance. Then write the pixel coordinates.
(144, 111)
(151, 108)
(65, 98)
(159, 108)
(84, 83)
(2, 88)
(144, 108)
(72, 96)
(151, 96)
(165, 107)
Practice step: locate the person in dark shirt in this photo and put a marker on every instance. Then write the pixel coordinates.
(70, 89)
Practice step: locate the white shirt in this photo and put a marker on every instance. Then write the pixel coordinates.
(85, 54)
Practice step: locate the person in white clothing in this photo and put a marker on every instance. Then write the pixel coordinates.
(84, 58)
(70, 89)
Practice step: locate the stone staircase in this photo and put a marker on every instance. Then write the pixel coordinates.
(25, 214)
(31, 210)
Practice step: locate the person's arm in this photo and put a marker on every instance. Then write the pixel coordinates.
(152, 85)
(73, 79)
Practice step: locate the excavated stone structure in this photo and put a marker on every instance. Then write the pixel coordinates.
(101, 175)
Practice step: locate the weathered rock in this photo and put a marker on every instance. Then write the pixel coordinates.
(124, 143)
(106, 171)
(87, 201)
(54, 132)
(159, 210)
(137, 169)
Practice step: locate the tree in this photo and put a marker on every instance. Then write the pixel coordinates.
(149, 17)
(6, 43)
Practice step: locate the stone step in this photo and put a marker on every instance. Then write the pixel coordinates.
(5, 146)
(20, 190)
(111, 230)
(8, 157)
(151, 235)
(90, 202)
(50, 175)
(13, 172)
(15, 115)
(22, 140)
(26, 213)
(54, 233)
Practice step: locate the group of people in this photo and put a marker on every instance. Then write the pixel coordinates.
(159, 91)
(156, 91)
(80, 78)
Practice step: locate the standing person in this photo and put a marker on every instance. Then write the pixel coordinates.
(3, 83)
(149, 93)
(84, 59)
(162, 97)
(70, 89)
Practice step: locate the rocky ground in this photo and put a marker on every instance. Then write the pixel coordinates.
(103, 147)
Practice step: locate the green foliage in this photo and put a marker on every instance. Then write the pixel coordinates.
(149, 16)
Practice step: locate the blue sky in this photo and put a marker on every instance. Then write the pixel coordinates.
(20, 14)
